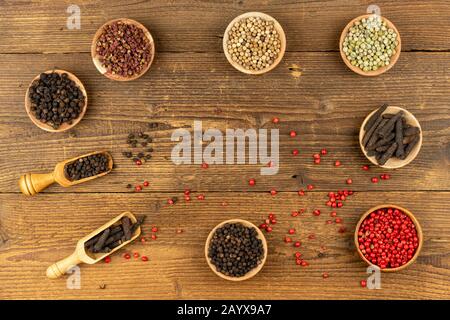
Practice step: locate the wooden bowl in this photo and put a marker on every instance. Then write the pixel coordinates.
(381, 70)
(277, 27)
(393, 163)
(64, 126)
(95, 56)
(414, 220)
(252, 272)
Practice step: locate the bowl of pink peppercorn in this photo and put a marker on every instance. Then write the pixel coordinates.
(389, 237)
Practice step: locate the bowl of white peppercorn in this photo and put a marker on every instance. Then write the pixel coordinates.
(370, 45)
(254, 43)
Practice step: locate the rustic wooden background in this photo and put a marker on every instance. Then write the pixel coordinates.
(190, 80)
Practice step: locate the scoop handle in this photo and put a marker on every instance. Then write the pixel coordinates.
(59, 268)
(32, 183)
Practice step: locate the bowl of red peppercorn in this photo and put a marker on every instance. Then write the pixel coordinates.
(122, 49)
(236, 250)
(56, 100)
(389, 237)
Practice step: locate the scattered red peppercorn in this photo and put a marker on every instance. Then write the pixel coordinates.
(187, 197)
(363, 283)
(294, 213)
(328, 222)
(316, 212)
(309, 187)
(273, 192)
(374, 180)
(291, 231)
(295, 152)
(154, 229)
(170, 201)
(317, 161)
(144, 258)
(333, 214)
(312, 236)
(287, 239)
(127, 256)
(138, 162)
(143, 240)
(154, 237)
(146, 183)
(269, 229)
(251, 182)
(316, 156)
(301, 192)
(187, 192)
(205, 165)
(292, 133)
(365, 167)
(349, 181)
(323, 151)
(138, 188)
(136, 255)
(337, 163)
(325, 275)
(338, 220)
(201, 197)
(297, 244)
(275, 120)
(107, 259)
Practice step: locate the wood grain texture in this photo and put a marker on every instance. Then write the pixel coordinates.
(198, 26)
(45, 229)
(181, 88)
(311, 91)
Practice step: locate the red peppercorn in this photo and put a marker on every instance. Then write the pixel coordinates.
(136, 255)
(146, 183)
(312, 236)
(143, 240)
(333, 213)
(275, 120)
(309, 187)
(187, 192)
(295, 152)
(323, 151)
(297, 244)
(317, 161)
(301, 192)
(201, 197)
(287, 239)
(338, 220)
(269, 229)
(108, 259)
(251, 182)
(297, 255)
(349, 181)
(154, 237)
(363, 283)
(138, 162)
(374, 180)
(205, 165)
(316, 156)
(144, 258)
(292, 133)
(187, 197)
(337, 163)
(270, 164)
(316, 212)
(329, 222)
(170, 201)
(273, 192)
(154, 229)
(365, 167)
(294, 213)
(325, 275)
(291, 231)
(138, 188)
(127, 256)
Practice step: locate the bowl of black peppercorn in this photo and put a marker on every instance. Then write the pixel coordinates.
(236, 250)
(56, 100)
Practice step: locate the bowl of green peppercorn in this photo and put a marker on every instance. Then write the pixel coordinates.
(370, 45)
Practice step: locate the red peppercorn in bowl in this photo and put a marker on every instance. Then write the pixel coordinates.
(389, 237)
(122, 49)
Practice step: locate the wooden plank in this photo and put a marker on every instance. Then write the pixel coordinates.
(326, 105)
(36, 232)
(198, 26)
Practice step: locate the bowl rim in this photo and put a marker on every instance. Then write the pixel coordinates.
(250, 273)
(412, 155)
(64, 126)
(99, 66)
(380, 70)
(277, 26)
(413, 219)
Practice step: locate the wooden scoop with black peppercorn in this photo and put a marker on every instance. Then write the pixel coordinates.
(100, 243)
(68, 173)
(390, 137)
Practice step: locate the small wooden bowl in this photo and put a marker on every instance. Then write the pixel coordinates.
(252, 272)
(64, 126)
(277, 27)
(98, 64)
(416, 224)
(381, 70)
(393, 163)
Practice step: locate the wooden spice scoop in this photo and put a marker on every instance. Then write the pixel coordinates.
(252, 272)
(32, 183)
(80, 255)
